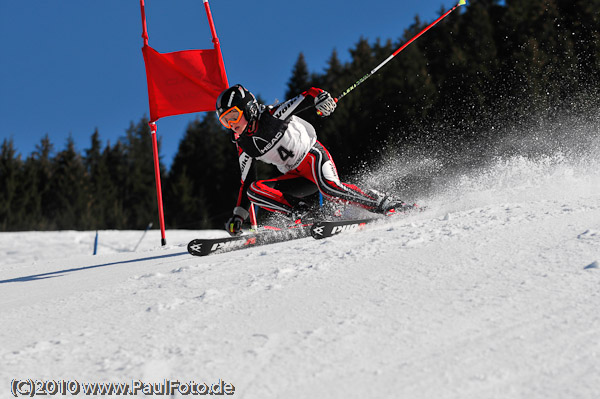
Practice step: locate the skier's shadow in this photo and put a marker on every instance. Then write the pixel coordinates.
(59, 273)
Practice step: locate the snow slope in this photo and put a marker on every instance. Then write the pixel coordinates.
(494, 292)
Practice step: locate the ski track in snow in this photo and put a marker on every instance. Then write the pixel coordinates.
(493, 292)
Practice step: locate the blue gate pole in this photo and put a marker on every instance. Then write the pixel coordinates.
(96, 243)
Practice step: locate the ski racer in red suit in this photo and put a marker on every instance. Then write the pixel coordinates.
(273, 135)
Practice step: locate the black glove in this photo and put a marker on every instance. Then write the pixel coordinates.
(325, 104)
(234, 224)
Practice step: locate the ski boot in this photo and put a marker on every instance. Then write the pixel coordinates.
(389, 205)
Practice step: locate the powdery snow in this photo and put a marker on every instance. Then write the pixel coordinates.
(493, 292)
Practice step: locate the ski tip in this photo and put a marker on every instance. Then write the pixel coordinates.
(194, 247)
(462, 3)
(316, 231)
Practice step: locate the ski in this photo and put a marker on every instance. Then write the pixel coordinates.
(328, 228)
(207, 246)
(318, 229)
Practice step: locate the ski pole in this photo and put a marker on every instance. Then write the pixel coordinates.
(368, 75)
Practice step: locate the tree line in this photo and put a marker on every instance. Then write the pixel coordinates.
(464, 84)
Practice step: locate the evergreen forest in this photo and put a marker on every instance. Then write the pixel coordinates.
(491, 67)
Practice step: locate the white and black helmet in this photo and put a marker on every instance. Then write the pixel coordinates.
(238, 96)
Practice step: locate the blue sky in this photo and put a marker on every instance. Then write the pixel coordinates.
(70, 66)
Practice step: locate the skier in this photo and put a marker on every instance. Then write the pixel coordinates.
(273, 135)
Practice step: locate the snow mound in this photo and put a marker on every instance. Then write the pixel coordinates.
(492, 292)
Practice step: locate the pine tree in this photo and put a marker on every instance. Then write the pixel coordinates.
(102, 190)
(408, 93)
(472, 65)
(537, 56)
(69, 205)
(29, 196)
(204, 178)
(10, 165)
(300, 79)
(332, 131)
(581, 21)
(41, 165)
(359, 128)
(114, 159)
(140, 196)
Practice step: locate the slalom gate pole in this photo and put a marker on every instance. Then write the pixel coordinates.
(217, 45)
(144, 26)
(368, 75)
(161, 215)
(96, 243)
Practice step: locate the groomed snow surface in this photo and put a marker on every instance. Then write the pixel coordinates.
(493, 292)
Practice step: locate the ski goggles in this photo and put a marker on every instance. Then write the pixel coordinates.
(231, 117)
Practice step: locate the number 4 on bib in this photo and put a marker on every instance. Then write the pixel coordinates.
(284, 153)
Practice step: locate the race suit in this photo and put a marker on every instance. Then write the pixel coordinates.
(290, 143)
